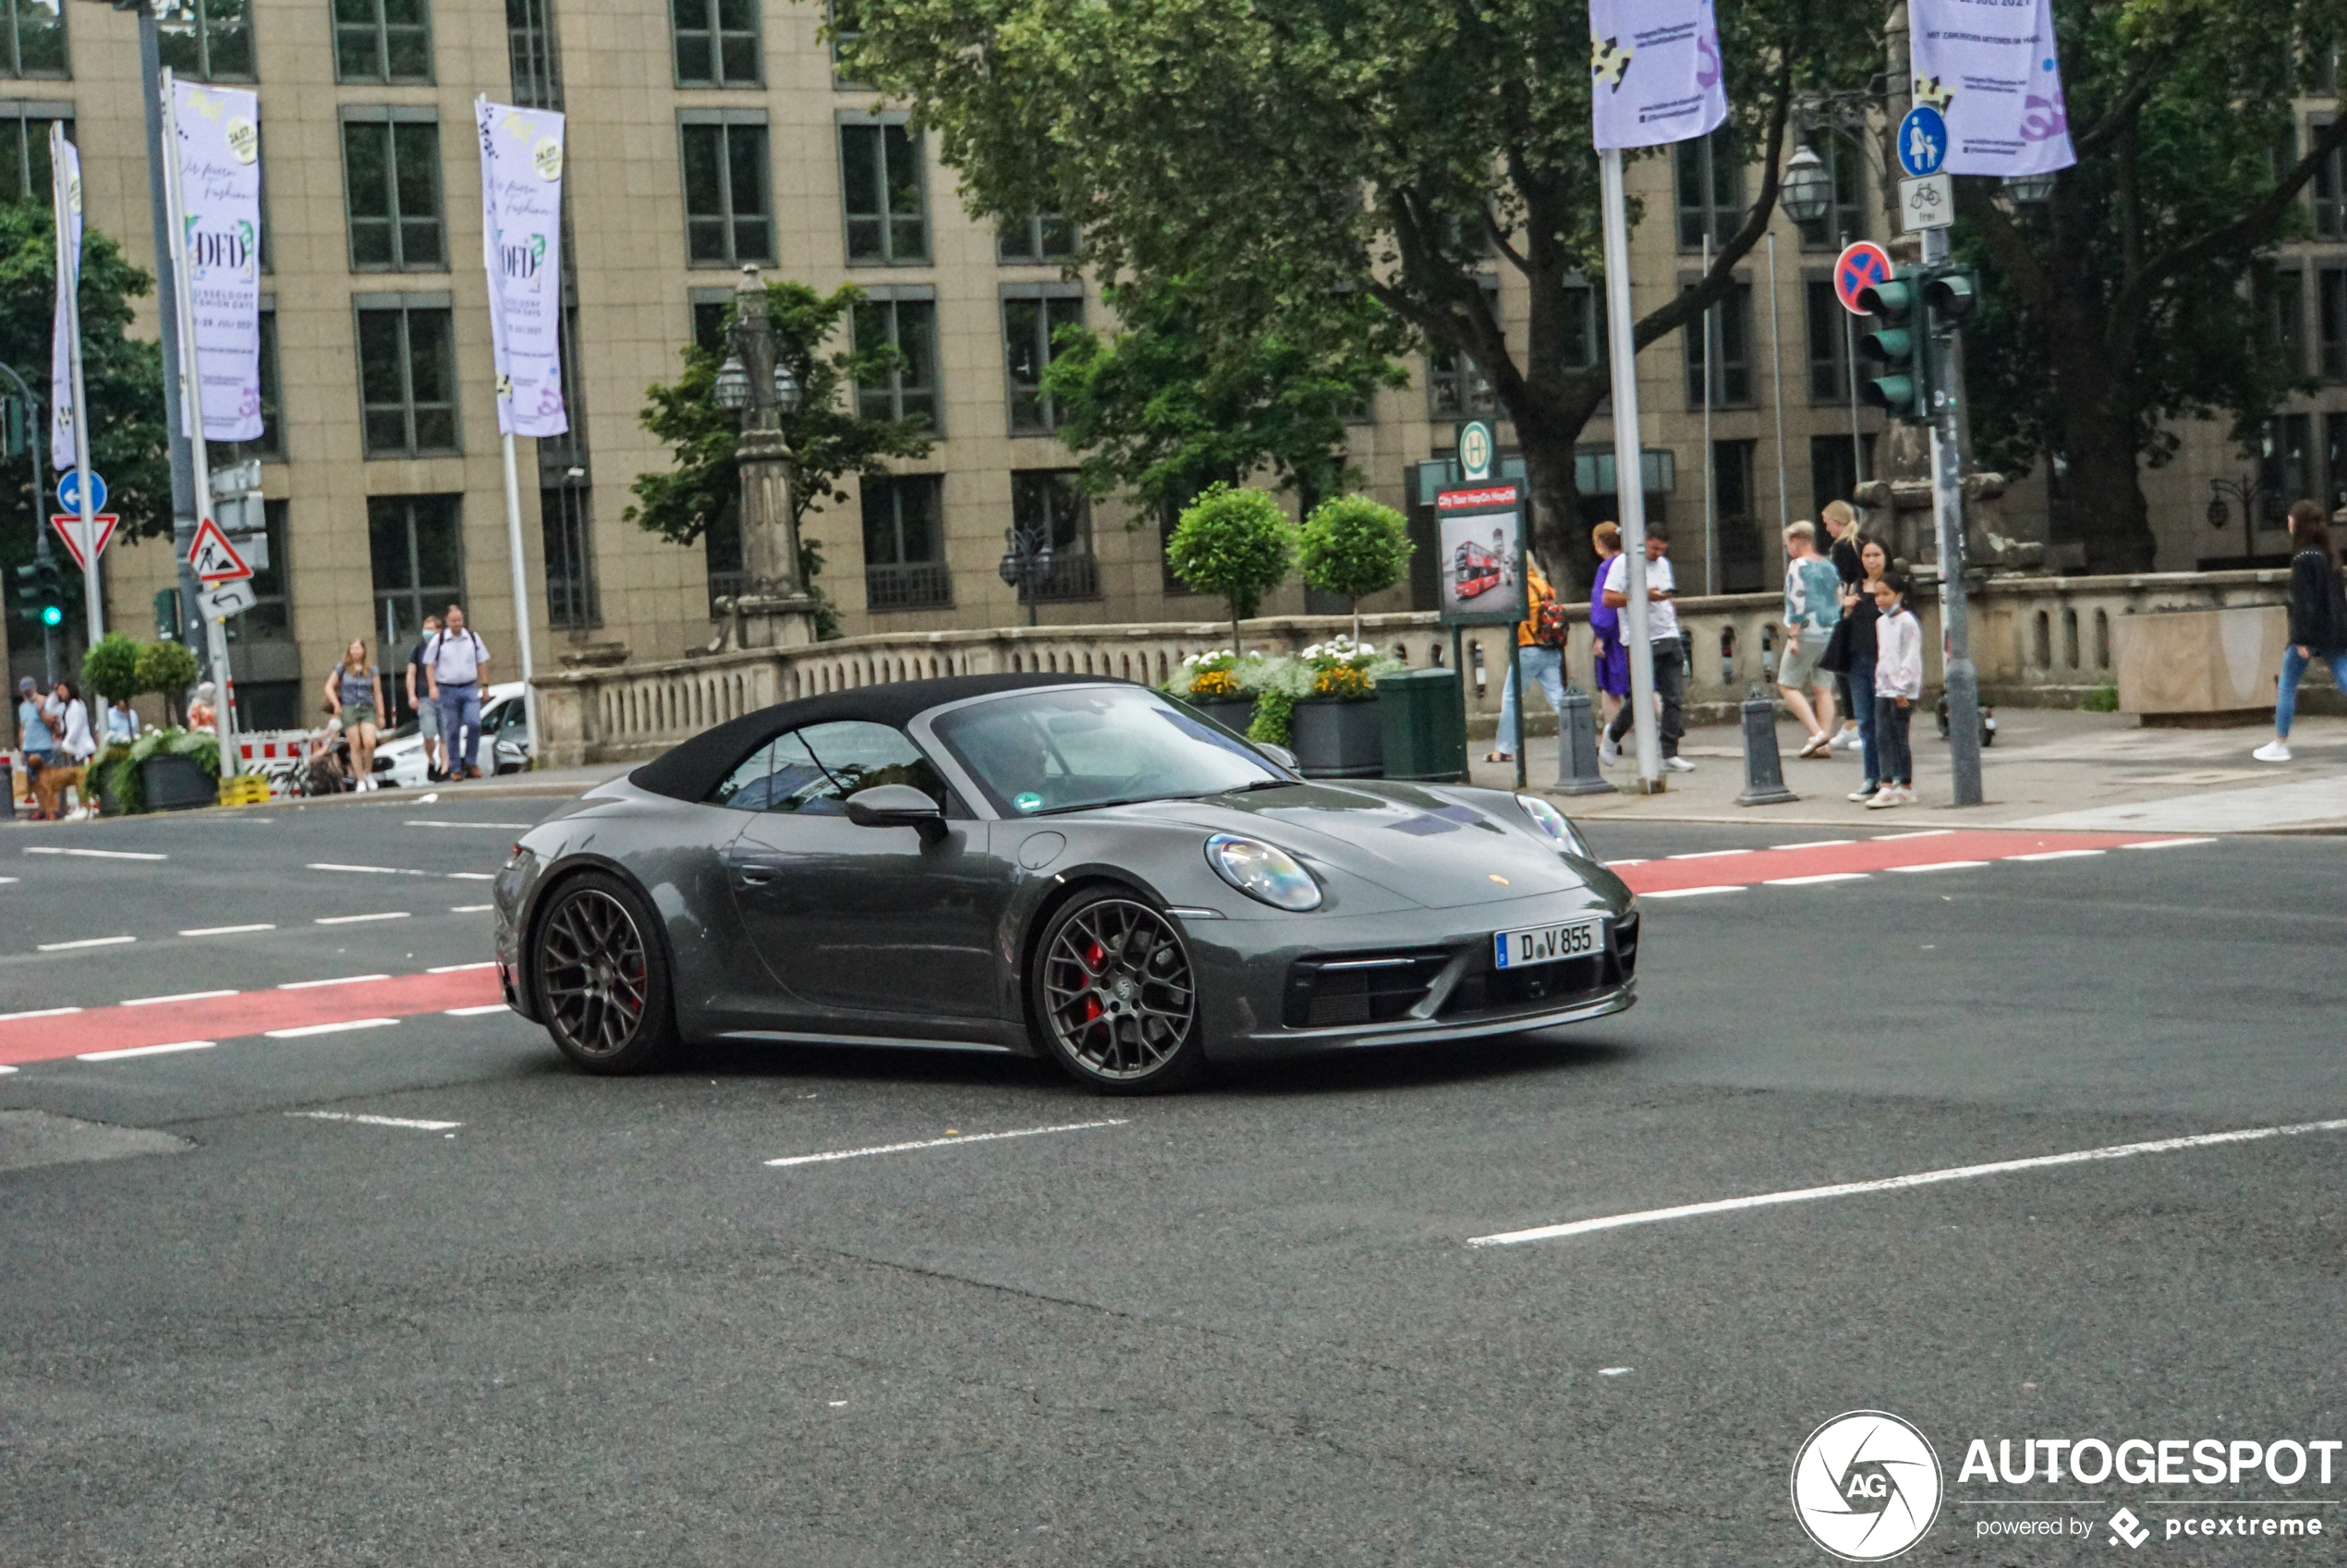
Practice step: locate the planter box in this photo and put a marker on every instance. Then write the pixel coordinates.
(1335, 738)
(176, 783)
(1232, 714)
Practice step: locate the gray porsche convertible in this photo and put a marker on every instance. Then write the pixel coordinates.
(1045, 864)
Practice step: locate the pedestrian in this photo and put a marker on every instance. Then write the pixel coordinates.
(1608, 656)
(1812, 604)
(1859, 613)
(122, 722)
(68, 719)
(1842, 527)
(1539, 653)
(354, 695)
(1898, 686)
(2317, 622)
(38, 743)
(419, 701)
(201, 714)
(454, 659)
(1670, 653)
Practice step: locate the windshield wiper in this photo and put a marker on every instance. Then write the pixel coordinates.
(1263, 784)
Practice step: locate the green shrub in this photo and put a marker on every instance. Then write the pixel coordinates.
(2102, 699)
(1355, 547)
(167, 669)
(111, 668)
(1237, 544)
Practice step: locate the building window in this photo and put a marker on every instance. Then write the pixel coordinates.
(529, 47)
(1045, 236)
(1833, 475)
(2286, 317)
(565, 523)
(904, 542)
(382, 41)
(1584, 340)
(24, 147)
(272, 611)
(2328, 190)
(2335, 449)
(1455, 387)
(1846, 219)
(1711, 191)
(727, 217)
(2286, 466)
(881, 176)
(844, 29)
(1050, 503)
(1829, 334)
(391, 177)
(716, 42)
(407, 375)
(909, 387)
(721, 546)
(35, 41)
(208, 39)
(1030, 320)
(270, 445)
(1730, 327)
(1741, 556)
(2330, 317)
(710, 310)
(419, 556)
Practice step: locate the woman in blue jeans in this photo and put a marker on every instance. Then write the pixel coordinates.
(1858, 609)
(2317, 622)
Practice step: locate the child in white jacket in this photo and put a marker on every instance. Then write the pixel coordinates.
(1898, 686)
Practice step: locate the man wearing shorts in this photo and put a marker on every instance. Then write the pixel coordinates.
(420, 700)
(1812, 604)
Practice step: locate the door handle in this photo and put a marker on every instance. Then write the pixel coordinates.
(752, 870)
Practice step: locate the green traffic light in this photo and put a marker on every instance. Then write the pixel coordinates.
(52, 616)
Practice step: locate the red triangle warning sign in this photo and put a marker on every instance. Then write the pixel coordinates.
(213, 559)
(69, 529)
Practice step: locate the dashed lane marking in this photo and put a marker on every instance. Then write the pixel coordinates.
(337, 980)
(2166, 843)
(1936, 849)
(1939, 866)
(407, 1122)
(473, 876)
(1820, 878)
(377, 871)
(304, 1032)
(497, 827)
(1707, 854)
(96, 853)
(38, 1013)
(1693, 891)
(225, 930)
(130, 1050)
(359, 919)
(470, 908)
(1816, 844)
(462, 969)
(85, 941)
(940, 1143)
(477, 1011)
(180, 996)
(2060, 854)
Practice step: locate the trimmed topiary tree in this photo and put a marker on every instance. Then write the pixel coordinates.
(111, 668)
(167, 669)
(1237, 544)
(1354, 546)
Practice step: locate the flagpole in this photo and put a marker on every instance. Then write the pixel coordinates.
(92, 602)
(521, 598)
(1629, 469)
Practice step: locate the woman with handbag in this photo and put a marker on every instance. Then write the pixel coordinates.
(1855, 642)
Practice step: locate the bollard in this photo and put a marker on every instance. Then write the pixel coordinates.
(1763, 769)
(1577, 770)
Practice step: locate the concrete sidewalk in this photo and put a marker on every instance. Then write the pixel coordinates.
(2049, 769)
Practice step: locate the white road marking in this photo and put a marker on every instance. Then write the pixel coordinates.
(2056, 855)
(308, 1029)
(470, 908)
(482, 1011)
(38, 1013)
(440, 823)
(1816, 844)
(473, 876)
(378, 871)
(1706, 854)
(337, 980)
(376, 1121)
(1820, 878)
(1615, 1371)
(182, 996)
(5, 1070)
(98, 854)
(225, 930)
(2167, 843)
(355, 919)
(460, 968)
(8, 878)
(1899, 1184)
(939, 1143)
(86, 942)
(1693, 892)
(144, 1050)
(1938, 866)
(1625, 862)
(1926, 833)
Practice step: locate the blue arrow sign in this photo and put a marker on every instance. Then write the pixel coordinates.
(1923, 142)
(70, 492)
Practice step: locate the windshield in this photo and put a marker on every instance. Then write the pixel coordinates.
(1066, 748)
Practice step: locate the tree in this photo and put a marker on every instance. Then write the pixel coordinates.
(1171, 404)
(1356, 547)
(826, 437)
(111, 668)
(167, 669)
(1306, 153)
(1234, 542)
(2133, 298)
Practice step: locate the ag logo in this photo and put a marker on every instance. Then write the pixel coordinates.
(1866, 1486)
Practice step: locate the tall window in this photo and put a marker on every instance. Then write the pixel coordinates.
(529, 47)
(24, 147)
(1741, 570)
(565, 527)
(710, 310)
(382, 41)
(909, 326)
(208, 39)
(721, 558)
(881, 177)
(391, 176)
(1711, 190)
(1731, 328)
(1029, 320)
(419, 557)
(1051, 504)
(1846, 219)
(2286, 316)
(270, 445)
(2330, 318)
(904, 542)
(2328, 190)
(1044, 236)
(407, 375)
(2286, 469)
(2335, 449)
(846, 26)
(1584, 324)
(728, 218)
(716, 42)
(1833, 472)
(1454, 386)
(34, 43)
(1829, 342)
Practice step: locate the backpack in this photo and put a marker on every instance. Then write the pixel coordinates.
(1550, 626)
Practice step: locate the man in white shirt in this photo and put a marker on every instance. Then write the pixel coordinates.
(1670, 657)
(454, 661)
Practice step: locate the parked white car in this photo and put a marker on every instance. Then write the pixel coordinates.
(504, 742)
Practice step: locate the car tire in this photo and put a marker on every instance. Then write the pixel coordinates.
(1113, 995)
(602, 977)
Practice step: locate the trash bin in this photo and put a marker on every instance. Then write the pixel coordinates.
(1424, 731)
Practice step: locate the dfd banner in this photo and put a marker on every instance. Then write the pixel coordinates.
(521, 202)
(1990, 67)
(1654, 69)
(218, 225)
(65, 171)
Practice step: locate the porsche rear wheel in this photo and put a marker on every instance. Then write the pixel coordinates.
(1116, 997)
(601, 978)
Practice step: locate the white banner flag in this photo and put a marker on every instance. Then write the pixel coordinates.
(1990, 67)
(521, 202)
(64, 167)
(219, 228)
(1654, 67)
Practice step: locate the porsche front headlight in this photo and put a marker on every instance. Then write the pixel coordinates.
(1551, 822)
(1263, 871)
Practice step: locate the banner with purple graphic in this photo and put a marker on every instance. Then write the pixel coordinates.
(218, 132)
(1654, 72)
(521, 208)
(1990, 67)
(64, 167)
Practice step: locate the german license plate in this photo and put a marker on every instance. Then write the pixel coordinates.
(1548, 944)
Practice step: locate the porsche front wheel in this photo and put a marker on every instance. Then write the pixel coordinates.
(602, 977)
(1116, 996)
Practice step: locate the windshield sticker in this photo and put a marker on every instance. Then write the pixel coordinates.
(1030, 801)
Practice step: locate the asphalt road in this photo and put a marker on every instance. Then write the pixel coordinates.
(584, 1321)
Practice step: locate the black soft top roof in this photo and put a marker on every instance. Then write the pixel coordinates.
(688, 772)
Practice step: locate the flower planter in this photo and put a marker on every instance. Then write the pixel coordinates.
(1232, 713)
(1338, 739)
(176, 783)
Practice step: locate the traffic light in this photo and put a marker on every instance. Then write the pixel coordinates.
(40, 593)
(1895, 343)
(1949, 293)
(15, 427)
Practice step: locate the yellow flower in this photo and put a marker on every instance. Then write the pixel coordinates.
(1341, 680)
(1214, 685)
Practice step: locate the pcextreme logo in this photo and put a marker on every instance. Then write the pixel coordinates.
(1866, 1486)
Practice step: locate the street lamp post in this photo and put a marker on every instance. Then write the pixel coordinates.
(1027, 565)
(774, 609)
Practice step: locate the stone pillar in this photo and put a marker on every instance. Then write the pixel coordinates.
(773, 611)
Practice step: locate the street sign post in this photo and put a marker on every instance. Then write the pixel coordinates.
(1928, 203)
(1923, 142)
(213, 558)
(1859, 268)
(69, 490)
(76, 540)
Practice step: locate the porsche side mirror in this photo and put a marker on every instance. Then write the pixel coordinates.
(1280, 755)
(897, 806)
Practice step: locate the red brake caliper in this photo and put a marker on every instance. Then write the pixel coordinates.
(1094, 957)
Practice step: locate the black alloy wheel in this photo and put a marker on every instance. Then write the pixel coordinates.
(601, 978)
(1116, 997)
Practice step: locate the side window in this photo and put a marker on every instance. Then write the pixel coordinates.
(745, 788)
(816, 769)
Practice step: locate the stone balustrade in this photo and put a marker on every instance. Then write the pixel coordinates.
(2037, 640)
